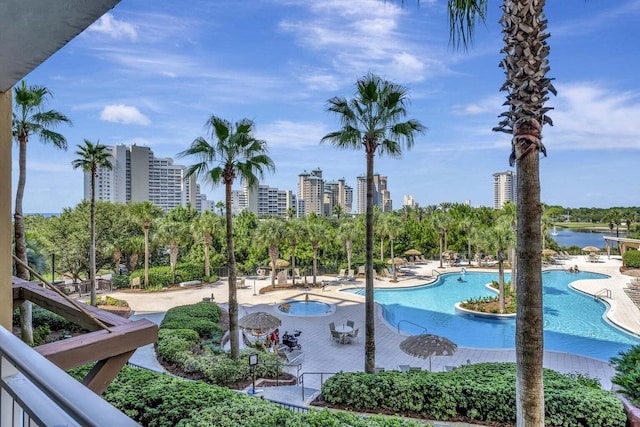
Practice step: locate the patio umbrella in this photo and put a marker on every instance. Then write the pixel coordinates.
(412, 252)
(548, 252)
(427, 345)
(396, 261)
(591, 249)
(280, 263)
(259, 323)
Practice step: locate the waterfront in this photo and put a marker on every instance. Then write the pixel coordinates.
(567, 237)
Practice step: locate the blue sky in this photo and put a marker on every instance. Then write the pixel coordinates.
(152, 73)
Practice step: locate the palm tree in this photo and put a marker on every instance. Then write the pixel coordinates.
(297, 232)
(501, 237)
(30, 118)
(144, 213)
(390, 226)
(172, 233)
(271, 233)
(438, 222)
(348, 233)
(220, 206)
(316, 233)
(205, 226)
(233, 152)
(371, 120)
(90, 158)
(526, 66)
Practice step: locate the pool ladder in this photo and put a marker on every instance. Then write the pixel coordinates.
(606, 293)
(414, 324)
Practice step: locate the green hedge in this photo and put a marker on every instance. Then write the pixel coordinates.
(631, 259)
(202, 317)
(43, 317)
(483, 392)
(160, 400)
(121, 281)
(162, 277)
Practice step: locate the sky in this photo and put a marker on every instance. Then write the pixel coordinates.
(151, 72)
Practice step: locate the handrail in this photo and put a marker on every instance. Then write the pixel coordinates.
(605, 291)
(45, 394)
(414, 324)
(435, 271)
(322, 374)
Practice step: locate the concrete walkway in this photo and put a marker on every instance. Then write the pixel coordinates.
(321, 356)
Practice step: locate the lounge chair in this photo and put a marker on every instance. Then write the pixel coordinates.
(261, 274)
(350, 276)
(341, 274)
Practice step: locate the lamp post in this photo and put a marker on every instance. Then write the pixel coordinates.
(253, 361)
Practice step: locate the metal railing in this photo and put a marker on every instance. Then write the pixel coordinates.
(322, 375)
(414, 324)
(437, 273)
(35, 392)
(606, 292)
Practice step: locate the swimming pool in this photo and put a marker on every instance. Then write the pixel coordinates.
(305, 308)
(573, 322)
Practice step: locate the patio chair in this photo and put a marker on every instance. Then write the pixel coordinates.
(350, 276)
(261, 274)
(341, 274)
(354, 335)
(351, 323)
(336, 337)
(332, 326)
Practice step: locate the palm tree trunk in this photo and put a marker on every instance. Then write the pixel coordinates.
(393, 263)
(207, 261)
(293, 265)
(92, 245)
(370, 341)
(349, 245)
(20, 244)
(315, 263)
(501, 285)
(146, 255)
(529, 318)
(382, 249)
(233, 291)
(441, 266)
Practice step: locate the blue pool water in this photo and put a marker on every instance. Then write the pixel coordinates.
(573, 322)
(304, 308)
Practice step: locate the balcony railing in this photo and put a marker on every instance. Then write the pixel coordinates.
(35, 392)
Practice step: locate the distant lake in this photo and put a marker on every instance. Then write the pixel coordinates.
(581, 239)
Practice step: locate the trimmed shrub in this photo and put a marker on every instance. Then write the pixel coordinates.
(172, 343)
(55, 322)
(627, 366)
(162, 277)
(482, 392)
(120, 281)
(202, 317)
(631, 259)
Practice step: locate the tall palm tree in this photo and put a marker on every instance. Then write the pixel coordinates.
(90, 158)
(271, 233)
(205, 226)
(296, 232)
(233, 152)
(173, 233)
(526, 66)
(348, 233)
(501, 237)
(372, 120)
(391, 227)
(30, 118)
(438, 222)
(144, 213)
(316, 233)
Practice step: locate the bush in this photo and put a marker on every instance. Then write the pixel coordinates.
(483, 392)
(172, 343)
(40, 335)
(120, 281)
(159, 400)
(627, 367)
(631, 259)
(42, 317)
(162, 277)
(202, 317)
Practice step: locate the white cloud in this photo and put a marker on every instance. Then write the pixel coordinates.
(489, 105)
(288, 134)
(120, 113)
(589, 116)
(114, 28)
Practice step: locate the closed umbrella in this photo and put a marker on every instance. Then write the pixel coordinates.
(427, 345)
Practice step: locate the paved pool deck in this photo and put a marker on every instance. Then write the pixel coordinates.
(321, 356)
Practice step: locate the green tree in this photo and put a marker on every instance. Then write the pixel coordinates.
(296, 232)
(30, 119)
(390, 226)
(372, 120)
(90, 158)
(500, 237)
(173, 233)
(271, 233)
(220, 206)
(526, 66)
(347, 234)
(316, 233)
(204, 227)
(233, 152)
(144, 213)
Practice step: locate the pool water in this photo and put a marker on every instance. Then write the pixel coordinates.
(304, 308)
(573, 322)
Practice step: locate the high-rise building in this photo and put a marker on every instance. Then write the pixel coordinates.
(504, 188)
(310, 193)
(381, 195)
(136, 175)
(337, 193)
(408, 200)
(265, 200)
